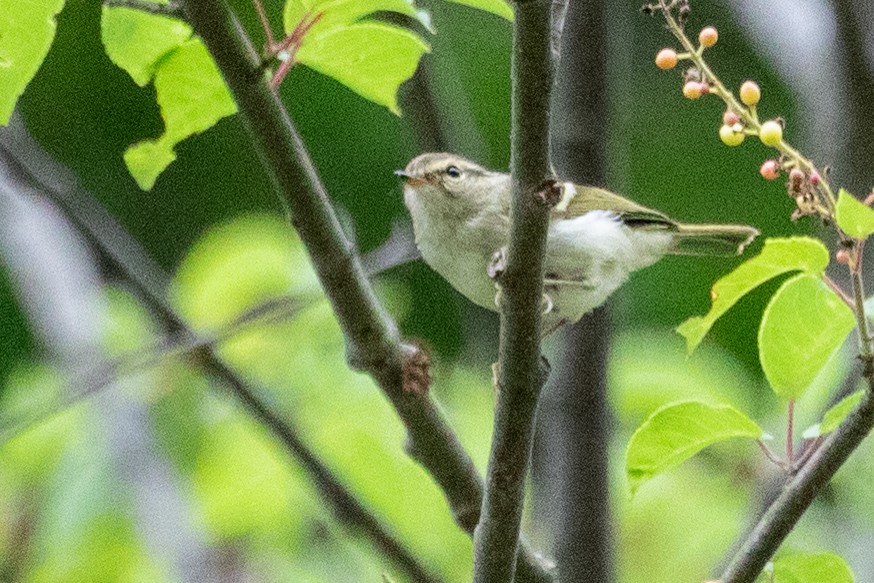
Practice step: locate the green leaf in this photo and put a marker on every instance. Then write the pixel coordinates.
(855, 218)
(498, 7)
(803, 325)
(26, 33)
(834, 416)
(371, 58)
(192, 96)
(190, 91)
(778, 256)
(811, 568)
(678, 431)
(135, 40)
(339, 13)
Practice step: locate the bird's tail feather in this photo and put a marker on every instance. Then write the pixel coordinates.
(712, 239)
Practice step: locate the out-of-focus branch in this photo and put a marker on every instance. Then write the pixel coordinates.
(521, 368)
(570, 467)
(373, 345)
(30, 166)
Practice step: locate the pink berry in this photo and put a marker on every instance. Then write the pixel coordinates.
(796, 177)
(770, 170)
(730, 118)
(843, 256)
(666, 59)
(815, 179)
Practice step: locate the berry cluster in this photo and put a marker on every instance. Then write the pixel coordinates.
(805, 184)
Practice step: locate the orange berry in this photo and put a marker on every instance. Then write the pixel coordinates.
(770, 170)
(730, 118)
(708, 36)
(693, 89)
(666, 59)
(750, 93)
(771, 133)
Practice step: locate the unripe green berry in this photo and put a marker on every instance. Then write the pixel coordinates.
(730, 136)
(770, 170)
(693, 89)
(708, 36)
(771, 133)
(750, 93)
(666, 59)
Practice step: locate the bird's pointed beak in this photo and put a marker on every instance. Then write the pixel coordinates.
(410, 179)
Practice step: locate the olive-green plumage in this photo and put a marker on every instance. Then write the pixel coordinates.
(461, 211)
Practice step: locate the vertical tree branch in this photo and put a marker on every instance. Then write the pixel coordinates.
(521, 369)
(372, 339)
(571, 470)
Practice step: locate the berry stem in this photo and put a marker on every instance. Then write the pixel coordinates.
(749, 115)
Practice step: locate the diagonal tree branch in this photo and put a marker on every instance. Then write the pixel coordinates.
(522, 370)
(22, 158)
(803, 488)
(798, 494)
(373, 344)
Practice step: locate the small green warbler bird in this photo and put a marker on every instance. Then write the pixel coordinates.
(461, 218)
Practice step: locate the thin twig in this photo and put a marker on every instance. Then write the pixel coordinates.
(771, 455)
(839, 291)
(116, 245)
(270, 40)
(372, 341)
(808, 451)
(171, 9)
(521, 368)
(790, 433)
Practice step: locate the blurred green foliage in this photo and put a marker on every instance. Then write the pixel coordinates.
(69, 511)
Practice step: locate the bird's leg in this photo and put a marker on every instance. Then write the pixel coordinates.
(496, 269)
(552, 321)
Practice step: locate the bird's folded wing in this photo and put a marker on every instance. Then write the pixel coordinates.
(579, 200)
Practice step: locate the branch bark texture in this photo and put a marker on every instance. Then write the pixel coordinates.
(373, 344)
(522, 370)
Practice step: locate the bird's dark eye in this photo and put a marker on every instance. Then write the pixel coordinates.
(453, 172)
